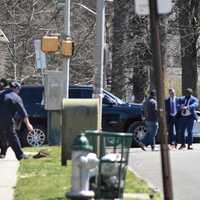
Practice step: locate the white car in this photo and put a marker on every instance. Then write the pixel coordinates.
(141, 131)
(196, 128)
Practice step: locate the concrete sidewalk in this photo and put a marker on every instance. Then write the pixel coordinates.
(8, 175)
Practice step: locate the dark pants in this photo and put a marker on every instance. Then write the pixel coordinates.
(3, 142)
(186, 123)
(10, 138)
(172, 126)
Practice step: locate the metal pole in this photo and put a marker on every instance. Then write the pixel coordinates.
(100, 30)
(66, 61)
(159, 76)
(66, 64)
(14, 47)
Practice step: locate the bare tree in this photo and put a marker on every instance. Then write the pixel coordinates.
(189, 23)
(131, 52)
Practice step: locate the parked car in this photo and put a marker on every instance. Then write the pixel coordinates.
(117, 115)
(196, 128)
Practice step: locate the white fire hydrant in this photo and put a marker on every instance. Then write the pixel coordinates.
(84, 166)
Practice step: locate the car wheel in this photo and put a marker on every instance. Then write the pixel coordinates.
(139, 131)
(36, 138)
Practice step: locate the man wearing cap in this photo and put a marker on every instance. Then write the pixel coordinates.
(187, 104)
(10, 105)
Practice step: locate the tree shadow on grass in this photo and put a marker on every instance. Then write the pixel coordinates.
(57, 198)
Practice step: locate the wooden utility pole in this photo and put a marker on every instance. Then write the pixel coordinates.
(160, 88)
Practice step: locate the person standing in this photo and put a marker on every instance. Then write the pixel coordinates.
(151, 119)
(3, 85)
(188, 104)
(10, 104)
(171, 106)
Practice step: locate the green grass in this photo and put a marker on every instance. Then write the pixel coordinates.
(46, 179)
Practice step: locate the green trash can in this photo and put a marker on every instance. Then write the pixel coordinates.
(112, 149)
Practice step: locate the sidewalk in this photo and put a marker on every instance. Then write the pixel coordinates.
(8, 174)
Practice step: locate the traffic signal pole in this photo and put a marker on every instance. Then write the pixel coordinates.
(100, 31)
(66, 64)
(160, 88)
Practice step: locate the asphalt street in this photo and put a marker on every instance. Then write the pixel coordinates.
(185, 165)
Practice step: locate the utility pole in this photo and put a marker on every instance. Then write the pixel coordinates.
(66, 64)
(66, 61)
(159, 76)
(100, 30)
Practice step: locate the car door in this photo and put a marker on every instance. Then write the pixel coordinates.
(111, 115)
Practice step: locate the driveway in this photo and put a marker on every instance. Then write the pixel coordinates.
(185, 170)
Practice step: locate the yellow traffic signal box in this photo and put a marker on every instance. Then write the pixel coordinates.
(50, 44)
(67, 47)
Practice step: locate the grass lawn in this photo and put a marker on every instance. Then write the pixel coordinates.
(46, 179)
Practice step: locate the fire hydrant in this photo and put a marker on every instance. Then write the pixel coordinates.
(84, 166)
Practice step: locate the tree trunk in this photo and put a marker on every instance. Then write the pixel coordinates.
(118, 74)
(188, 10)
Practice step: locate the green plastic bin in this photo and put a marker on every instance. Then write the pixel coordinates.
(112, 149)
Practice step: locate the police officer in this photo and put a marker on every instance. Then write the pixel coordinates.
(3, 85)
(10, 104)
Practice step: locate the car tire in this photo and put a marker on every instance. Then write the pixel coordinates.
(37, 137)
(139, 131)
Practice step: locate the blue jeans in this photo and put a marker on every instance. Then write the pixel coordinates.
(186, 123)
(152, 128)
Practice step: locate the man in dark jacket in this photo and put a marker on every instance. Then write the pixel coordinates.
(171, 106)
(10, 104)
(3, 85)
(151, 119)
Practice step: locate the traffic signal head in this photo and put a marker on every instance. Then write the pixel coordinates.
(50, 44)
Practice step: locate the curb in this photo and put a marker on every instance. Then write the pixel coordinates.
(141, 196)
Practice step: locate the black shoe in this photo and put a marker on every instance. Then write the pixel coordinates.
(2, 156)
(190, 147)
(181, 147)
(142, 146)
(23, 157)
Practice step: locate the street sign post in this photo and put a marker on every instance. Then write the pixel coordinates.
(142, 7)
(39, 55)
(159, 73)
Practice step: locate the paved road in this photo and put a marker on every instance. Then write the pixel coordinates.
(185, 171)
(8, 169)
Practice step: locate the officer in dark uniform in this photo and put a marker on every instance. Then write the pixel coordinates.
(3, 85)
(10, 104)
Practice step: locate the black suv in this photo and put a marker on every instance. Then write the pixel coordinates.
(118, 116)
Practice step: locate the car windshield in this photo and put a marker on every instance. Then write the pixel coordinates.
(113, 98)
